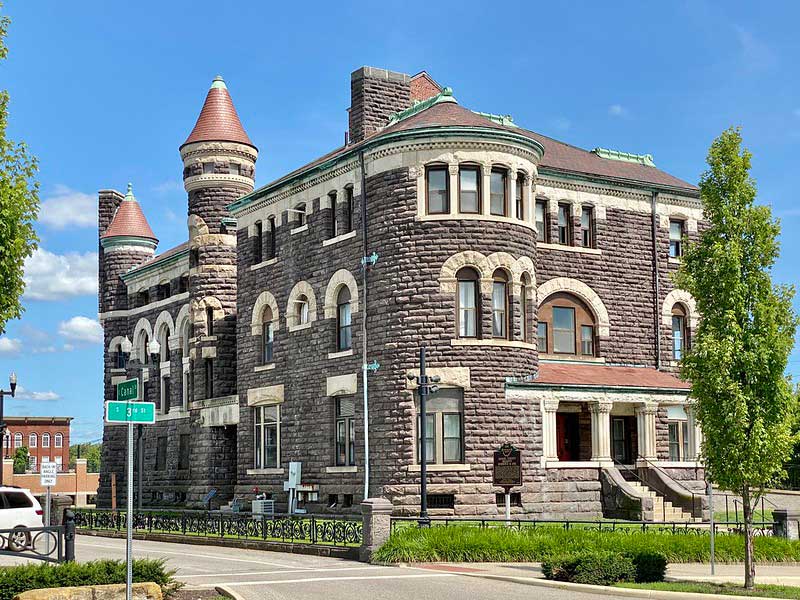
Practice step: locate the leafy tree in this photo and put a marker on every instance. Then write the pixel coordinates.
(20, 460)
(745, 403)
(91, 452)
(19, 206)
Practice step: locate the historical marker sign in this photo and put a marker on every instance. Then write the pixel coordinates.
(130, 412)
(507, 467)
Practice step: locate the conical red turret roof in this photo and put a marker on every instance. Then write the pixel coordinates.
(129, 220)
(218, 120)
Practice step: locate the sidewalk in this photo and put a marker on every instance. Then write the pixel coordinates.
(788, 574)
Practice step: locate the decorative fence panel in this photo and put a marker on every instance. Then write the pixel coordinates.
(323, 530)
(39, 543)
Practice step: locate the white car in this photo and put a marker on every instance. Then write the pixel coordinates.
(19, 510)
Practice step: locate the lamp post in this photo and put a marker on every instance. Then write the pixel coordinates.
(12, 382)
(425, 387)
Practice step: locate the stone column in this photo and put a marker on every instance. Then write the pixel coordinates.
(601, 430)
(511, 194)
(646, 430)
(549, 431)
(692, 429)
(486, 187)
(453, 171)
(377, 515)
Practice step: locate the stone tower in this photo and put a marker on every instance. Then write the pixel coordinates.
(218, 168)
(126, 241)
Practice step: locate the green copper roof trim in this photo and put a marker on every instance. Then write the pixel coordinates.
(136, 271)
(626, 389)
(218, 83)
(446, 95)
(641, 159)
(379, 140)
(609, 180)
(506, 120)
(128, 240)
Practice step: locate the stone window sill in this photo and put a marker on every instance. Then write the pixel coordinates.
(674, 261)
(263, 264)
(340, 238)
(341, 354)
(474, 217)
(208, 338)
(259, 368)
(278, 471)
(491, 342)
(568, 358)
(293, 328)
(347, 469)
(171, 416)
(438, 468)
(118, 371)
(300, 229)
(578, 249)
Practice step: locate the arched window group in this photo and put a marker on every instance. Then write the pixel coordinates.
(566, 326)
(468, 304)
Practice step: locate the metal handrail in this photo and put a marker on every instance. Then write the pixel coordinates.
(628, 469)
(661, 470)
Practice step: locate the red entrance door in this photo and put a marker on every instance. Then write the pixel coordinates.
(567, 431)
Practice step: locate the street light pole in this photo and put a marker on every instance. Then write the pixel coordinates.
(12, 380)
(425, 387)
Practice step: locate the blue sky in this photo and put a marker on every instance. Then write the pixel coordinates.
(105, 92)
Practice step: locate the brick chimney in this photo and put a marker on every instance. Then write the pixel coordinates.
(375, 94)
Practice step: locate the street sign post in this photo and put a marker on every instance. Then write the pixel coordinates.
(127, 409)
(48, 473)
(507, 472)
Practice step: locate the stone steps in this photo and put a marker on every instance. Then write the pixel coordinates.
(663, 510)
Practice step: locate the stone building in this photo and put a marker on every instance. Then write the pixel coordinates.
(537, 275)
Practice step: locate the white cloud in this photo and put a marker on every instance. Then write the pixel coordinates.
(617, 110)
(51, 276)
(10, 345)
(81, 329)
(66, 207)
(23, 394)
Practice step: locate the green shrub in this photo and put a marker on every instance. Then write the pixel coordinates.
(21, 578)
(650, 566)
(593, 568)
(462, 543)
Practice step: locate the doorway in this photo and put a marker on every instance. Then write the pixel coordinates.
(568, 436)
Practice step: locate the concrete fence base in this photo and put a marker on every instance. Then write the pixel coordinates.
(116, 591)
(377, 513)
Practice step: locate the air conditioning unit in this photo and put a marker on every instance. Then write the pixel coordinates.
(263, 508)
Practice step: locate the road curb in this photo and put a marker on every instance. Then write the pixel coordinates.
(227, 592)
(618, 592)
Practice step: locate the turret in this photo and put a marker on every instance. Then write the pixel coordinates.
(126, 242)
(218, 168)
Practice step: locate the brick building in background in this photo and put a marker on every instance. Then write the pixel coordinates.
(536, 273)
(46, 438)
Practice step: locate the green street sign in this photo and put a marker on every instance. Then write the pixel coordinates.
(130, 412)
(128, 390)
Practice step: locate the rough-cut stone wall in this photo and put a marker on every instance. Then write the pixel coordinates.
(108, 203)
(375, 94)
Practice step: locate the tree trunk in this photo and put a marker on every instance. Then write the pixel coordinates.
(749, 564)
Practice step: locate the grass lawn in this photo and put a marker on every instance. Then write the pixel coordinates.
(731, 589)
(459, 543)
(758, 516)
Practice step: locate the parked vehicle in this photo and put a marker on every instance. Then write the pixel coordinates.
(19, 511)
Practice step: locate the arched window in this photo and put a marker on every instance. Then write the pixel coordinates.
(184, 353)
(141, 348)
(524, 297)
(163, 341)
(267, 336)
(566, 326)
(272, 245)
(258, 243)
(344, 337)
(334, 225)
(32, 440)
(119, 357)
(59, 439)
(500, 304)
(209, 321)
(349, 209)
(45, 440)
(301, 310)
(467, 303)
(18, 440)
(300, 215)
(679, 334)
(498, 193)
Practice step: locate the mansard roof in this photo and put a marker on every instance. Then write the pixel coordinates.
(129, 220)
(218, 120)
(588, 375)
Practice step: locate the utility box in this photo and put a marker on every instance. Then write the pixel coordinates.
(264, 508)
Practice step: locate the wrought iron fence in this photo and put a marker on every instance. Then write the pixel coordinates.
(40, 543)
(336, 531)
(760, 528)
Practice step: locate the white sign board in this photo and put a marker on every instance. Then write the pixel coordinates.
(294, 474)
(48, 473)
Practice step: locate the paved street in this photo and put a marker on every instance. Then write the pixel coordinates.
(258, 575)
